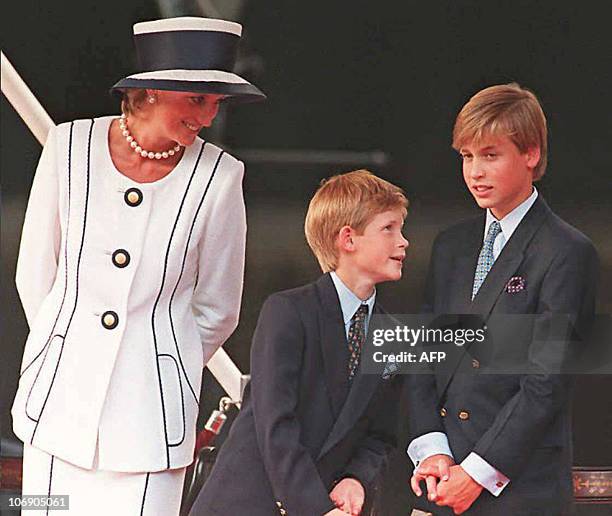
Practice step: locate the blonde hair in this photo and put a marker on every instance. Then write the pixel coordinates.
(351, 199)
(132, 99)
(504, 110)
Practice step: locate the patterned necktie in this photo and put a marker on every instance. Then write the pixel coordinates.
(356, 338)
(485, 259)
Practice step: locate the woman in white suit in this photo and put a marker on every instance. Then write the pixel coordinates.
(130, 273)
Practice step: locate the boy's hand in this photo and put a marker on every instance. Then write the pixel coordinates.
(335, 512)
(432, 469)
(459, 492)
(348, 495)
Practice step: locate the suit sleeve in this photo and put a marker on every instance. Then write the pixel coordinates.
(568, 289)
(40, 238)
(276, 361)
(370, 458)
(218, 292)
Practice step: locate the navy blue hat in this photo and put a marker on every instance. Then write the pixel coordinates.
(189, 54)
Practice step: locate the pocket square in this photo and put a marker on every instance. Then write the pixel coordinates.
(515, 284)
(391, 368)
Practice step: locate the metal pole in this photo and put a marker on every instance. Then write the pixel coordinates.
(25, 103)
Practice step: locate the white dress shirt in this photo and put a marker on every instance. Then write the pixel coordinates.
(128, 288)
(435, 443)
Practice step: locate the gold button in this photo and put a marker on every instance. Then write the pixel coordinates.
(121, 258)
(278, 504)
(443, 412)
(464, 415)
(475, 363)
(282, 511)
(110, 320)
(133, 196)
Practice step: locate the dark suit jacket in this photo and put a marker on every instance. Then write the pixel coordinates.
(518, 419)
(301, 426)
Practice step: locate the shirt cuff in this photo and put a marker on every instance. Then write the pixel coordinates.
(426, 445)
(486, 475)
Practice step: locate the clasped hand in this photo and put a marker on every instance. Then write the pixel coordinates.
(447, 483)
(348, 495)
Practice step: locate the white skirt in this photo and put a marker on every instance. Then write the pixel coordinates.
(100, 493)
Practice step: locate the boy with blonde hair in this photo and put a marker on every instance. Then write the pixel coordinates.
(314, 432)
(501, 443)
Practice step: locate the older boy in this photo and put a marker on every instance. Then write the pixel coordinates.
(313, 432)
(502, 443)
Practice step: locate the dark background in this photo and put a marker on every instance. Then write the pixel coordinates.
(343, 76)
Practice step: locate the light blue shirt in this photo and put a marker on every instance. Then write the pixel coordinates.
(350, 303)
(509, 223)
(435, 443)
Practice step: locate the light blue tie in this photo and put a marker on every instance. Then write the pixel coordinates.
(485, 258)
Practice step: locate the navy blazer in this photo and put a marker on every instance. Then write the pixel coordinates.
(302, 427)
(519, 421)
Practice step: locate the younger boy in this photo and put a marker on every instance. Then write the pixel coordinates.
(503, 441)
(313, 432)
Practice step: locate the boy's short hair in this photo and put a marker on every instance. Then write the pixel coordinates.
(504, 110)
(351, 199)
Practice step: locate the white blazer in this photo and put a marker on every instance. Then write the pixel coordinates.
(128, 289)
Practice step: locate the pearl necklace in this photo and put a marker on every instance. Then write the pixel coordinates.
(138, 149)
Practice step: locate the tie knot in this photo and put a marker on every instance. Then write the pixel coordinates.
(494, 230)
(361, 313)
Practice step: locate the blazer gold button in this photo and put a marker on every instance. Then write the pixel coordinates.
(110, 320)
(121, 258)
(133, 197)
(475, 363)
(464, 415)
(443, 412)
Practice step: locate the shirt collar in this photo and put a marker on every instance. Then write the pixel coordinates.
(511, 221)
(349, 302)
